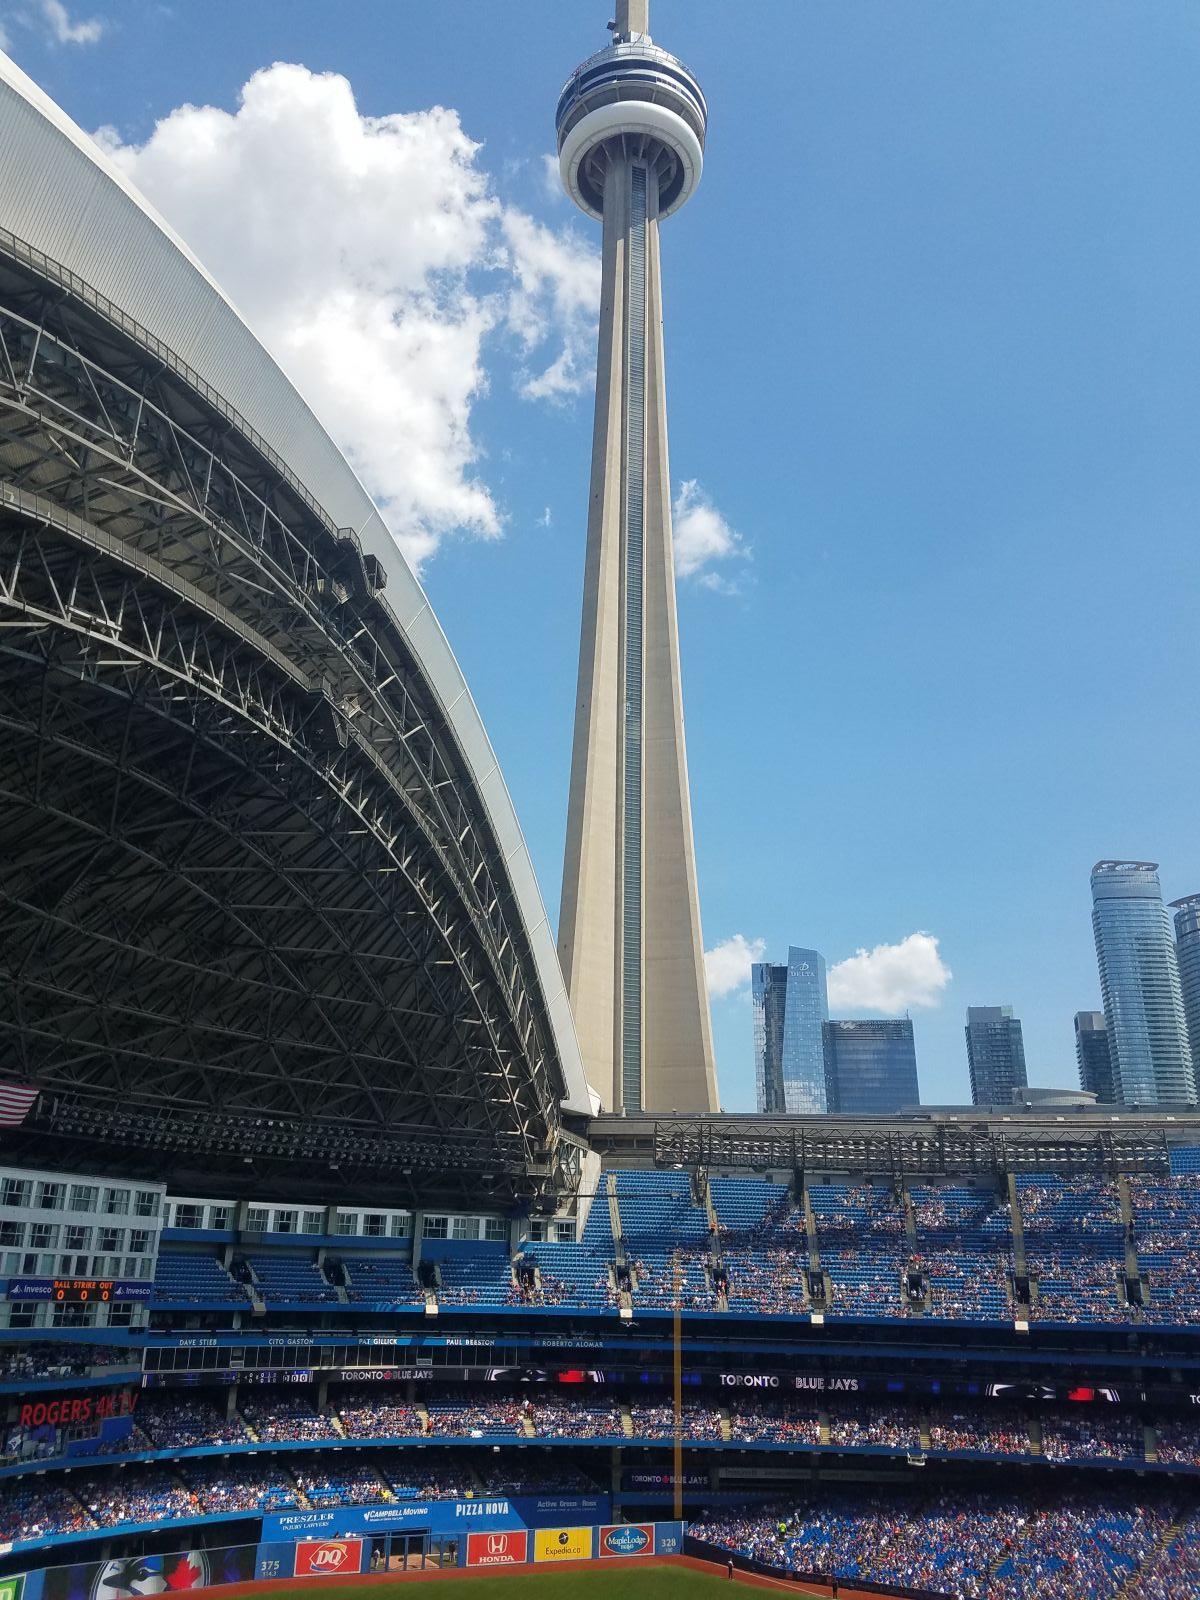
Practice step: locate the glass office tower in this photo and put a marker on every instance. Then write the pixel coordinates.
(995, 1055)
(768, 991)
(1139, 979)
(870, 1067)
(806, 1011)
(790, 1011)
(1187, 951)
(1093, 1056)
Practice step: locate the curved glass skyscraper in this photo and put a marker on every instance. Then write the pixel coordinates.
(1139, 979)
(1187, 948)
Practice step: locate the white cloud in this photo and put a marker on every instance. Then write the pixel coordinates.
(702, 538)
(727, 965)
(890, 978)
(66, 31)
(557, 287)
(372, 257)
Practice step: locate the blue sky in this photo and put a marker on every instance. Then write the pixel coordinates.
(933, 363)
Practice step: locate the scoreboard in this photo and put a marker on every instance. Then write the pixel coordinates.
(77, 1291)
(81, 1291)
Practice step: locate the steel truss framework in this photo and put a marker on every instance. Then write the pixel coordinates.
(243, 868)
(944, 1150)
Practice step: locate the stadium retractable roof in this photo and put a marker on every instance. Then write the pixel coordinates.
(266, 902)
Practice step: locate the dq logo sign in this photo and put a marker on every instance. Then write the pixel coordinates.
(319, 1558)
(497, 1549)
(628, 1540)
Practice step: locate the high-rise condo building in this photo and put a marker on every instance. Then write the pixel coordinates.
(1139, 979)
(1187, 952)
(1093, 1056)
(870, 1067)
(631, 126)
(789, 1044)
(768, 998)
(995, 1054)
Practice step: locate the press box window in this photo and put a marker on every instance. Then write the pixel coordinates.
(436, 1228)
(16, 1192)
(495, 1229)
(83, 1197)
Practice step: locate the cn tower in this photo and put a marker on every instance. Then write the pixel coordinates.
(631, 127)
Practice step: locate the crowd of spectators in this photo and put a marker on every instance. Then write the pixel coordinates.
(246, 1484)
(185, 1423)
(284, 1418)
(477, 1414)
(210, 1486)
(1097, 1434)
(137, 1494)
(338, 1484)
(973, 1428)
(1176, 1572)
(62, 1361)
(366, 1413)
(879, 1427)
(1070, 1546)
(576, 1416)
(39, 1511)
(1178, 1441)
(754, 1421)
(657, 1420)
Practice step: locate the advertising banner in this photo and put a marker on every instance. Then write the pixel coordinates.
(127, 1576)
(628, 1539)
(328, 1558)
(11, 1588)
(486, 1514)
(497, 1549)
(562, 1544)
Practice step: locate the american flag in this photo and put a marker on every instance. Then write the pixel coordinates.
(15, 1101)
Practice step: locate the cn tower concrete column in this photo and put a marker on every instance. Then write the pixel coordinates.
(630, 937)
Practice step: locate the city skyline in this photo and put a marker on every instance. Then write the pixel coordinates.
(898, 385)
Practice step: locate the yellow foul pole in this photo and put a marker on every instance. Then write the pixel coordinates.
(678, 1331)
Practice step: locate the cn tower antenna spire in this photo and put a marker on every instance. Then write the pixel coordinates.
(633, 17)
(631, 126)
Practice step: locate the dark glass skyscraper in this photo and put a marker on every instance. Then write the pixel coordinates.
(1139, 979)
(768, 991)
(1187, 950)
(995, 1054)
(1093, 1056)
(870, 1067)
(789, 1048)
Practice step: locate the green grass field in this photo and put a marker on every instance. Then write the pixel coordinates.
(564, 1583)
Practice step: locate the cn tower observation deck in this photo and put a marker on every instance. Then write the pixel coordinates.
(631, 125)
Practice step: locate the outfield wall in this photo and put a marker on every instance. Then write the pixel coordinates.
(347, 1554)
